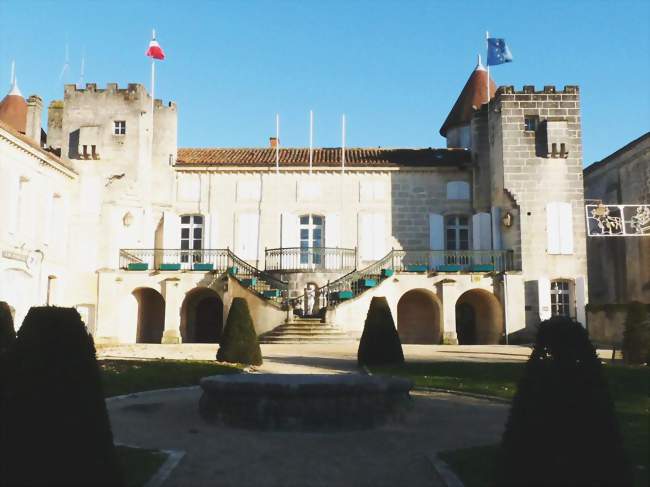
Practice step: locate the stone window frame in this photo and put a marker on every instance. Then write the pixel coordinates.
(119, 127)
(534, 119)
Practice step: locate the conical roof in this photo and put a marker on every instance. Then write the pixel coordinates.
(13, 109)
(474, 94)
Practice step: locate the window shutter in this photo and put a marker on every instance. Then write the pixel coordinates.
(436, 238)
(332, 229)
(482, 231)
(496, 227)
(289, 237)
(565, 218)
(581, 298)
(210, 231)
(171, 230)
(365, 191)
(247, 233)
(366, 248)
(378, 235)
(552, 228)
(9, 195)
(544, 298)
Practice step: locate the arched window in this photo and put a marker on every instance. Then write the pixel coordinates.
(457, 232)
(311, 235)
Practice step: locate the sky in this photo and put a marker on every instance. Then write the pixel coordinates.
(394, 68)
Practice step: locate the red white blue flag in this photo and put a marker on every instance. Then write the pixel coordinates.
(154, 50)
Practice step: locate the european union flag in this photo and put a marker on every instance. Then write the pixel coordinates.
(498, 52)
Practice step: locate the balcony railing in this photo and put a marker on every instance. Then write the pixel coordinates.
(304, 259)
(175, 259)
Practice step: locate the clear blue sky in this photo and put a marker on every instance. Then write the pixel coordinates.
(394, 67)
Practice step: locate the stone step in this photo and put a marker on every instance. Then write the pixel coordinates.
(306, 339)
(293, 331)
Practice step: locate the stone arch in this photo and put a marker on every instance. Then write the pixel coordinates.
(479, 318)
(201, 316)
(151, 315)
(419, 317)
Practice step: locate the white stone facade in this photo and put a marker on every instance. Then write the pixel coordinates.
(116, 197)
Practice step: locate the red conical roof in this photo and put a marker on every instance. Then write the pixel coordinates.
(474, 94)
(13, 109)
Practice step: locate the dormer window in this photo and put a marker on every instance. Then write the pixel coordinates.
(119, 127)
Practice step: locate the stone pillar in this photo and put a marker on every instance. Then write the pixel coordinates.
(449, 294)
(173, 301)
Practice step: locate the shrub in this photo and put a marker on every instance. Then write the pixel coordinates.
(380, 343)
(239, 341)
(636, 335)
(7, 332)
(60, 432)
(562, 429)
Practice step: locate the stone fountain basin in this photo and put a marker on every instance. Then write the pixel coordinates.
(303, 401)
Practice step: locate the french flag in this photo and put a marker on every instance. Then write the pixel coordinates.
(154, 50)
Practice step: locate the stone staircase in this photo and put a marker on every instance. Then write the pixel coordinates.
(305, 330)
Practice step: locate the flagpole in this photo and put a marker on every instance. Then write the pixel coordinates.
(277, 143)
(343, 143)
(487, 64)
(311, 139)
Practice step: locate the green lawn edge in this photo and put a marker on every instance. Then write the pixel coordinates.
(139, 464)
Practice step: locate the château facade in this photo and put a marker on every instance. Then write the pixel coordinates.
(473, 243)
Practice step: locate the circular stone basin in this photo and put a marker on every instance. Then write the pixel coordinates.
(303, 401)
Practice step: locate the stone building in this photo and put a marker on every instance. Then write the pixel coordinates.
(619, 267)
(472, 243)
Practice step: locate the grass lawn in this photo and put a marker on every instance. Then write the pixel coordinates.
(130, 376)
(628, 386)
(139, 464)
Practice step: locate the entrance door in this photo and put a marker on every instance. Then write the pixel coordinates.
(311, 236)
(465, 324)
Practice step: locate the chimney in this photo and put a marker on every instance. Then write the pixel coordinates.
(34, 112)
(273, 141)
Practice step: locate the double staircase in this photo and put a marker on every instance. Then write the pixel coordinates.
(305, 330)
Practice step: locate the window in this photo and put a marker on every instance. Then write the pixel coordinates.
(560, 298)
(119, 127)
(191, 237)
(457, 232)
(530, 123)
(311, 235)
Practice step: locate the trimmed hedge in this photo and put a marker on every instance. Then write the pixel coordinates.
(239, 342)
(7, 331)
(60, 432)
(380, 343)
(636, 337)
(562, 429)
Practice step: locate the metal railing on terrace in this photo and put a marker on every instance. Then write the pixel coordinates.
(304, 259)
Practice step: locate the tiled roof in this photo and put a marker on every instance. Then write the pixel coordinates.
(326, 157)
(27, 140)
(474, 94)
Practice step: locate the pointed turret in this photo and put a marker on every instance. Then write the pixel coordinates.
(13, 108)
(474, 94)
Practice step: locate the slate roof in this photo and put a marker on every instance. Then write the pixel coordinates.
(324, 157)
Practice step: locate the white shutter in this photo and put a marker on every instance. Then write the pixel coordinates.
(482, 231)
(379, 190)
(171, 230)
(9, 197)
(289, 237)
(552, 228)
(332, 239)
(49, 219)
(436, 238)
(365, 191)
(247, 233)
(378, 235)
(496, 227)
(565, 218)
(212, 231)
(544, 297)
(581, 298)
(366, 247)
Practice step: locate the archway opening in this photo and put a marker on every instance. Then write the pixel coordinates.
(151, 315)
(479, 318)
(202, 317)
(418, 317)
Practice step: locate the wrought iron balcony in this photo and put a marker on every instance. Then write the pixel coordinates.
(305, 259)
(175, 259)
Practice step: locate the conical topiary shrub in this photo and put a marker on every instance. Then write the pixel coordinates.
(7, 331)
(562, 429)
(239, 341)
(380, 343)
(59, 433)
(636, 336)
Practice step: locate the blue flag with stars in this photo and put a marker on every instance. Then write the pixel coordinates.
(498, 52)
